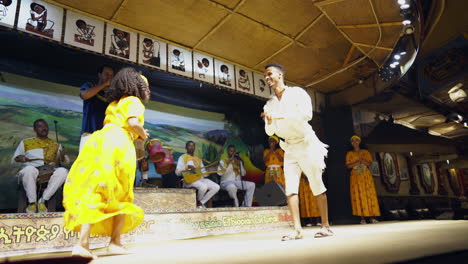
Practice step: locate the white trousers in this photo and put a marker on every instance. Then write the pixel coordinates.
(205, 189)
(299, 158)
(28, 176)
(232, 186)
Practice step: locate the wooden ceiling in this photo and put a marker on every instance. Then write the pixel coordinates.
(322, 44)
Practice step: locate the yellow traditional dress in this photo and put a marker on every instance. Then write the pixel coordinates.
(100, 182)
(307, 203)
(363, 195)
(274, 170)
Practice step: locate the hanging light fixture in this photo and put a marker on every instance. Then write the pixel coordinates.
(457, 94)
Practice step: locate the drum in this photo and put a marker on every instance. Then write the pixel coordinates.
(167, 165)
(45, 172)
(139, 149)
(155, 150)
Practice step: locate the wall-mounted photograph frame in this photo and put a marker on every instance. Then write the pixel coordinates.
(179, 60)
(152, 52)
(41, 18)
(203, 67)
(244, 80)
(84, 32)
(224, 74)
(261, 87)
(8, 12)
(121, 43)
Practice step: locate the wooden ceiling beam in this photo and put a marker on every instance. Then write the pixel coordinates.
(371, 46)
(348, 56)
(118, 9)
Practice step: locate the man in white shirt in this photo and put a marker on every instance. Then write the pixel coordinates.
(189, 162)
(231, 178)
(286, 114)
(35, 152)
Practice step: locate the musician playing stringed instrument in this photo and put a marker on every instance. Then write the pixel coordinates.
(192, 168)
(38, 157)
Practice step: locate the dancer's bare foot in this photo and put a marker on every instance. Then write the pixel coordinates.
(80, 251)
(114, 249)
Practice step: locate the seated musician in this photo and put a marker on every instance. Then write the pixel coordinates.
(231, 178)
(33, 153)
(189, 162)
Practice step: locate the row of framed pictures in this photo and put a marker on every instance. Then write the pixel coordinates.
(48, 21)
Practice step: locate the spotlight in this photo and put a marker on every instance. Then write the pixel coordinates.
(406, 22)
(393, 65)
(397, 56)
(401, 2)
(408, 29)
(411, 153)
(448, 161)
(407, 18)
(465, 124)
(403, 53)
(404, 6)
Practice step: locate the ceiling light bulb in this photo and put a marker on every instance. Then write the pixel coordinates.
(401, 2)
(404, 6)
(393, 65)
(406, 22)
(448, 161)
(397, 56)
(403, 53)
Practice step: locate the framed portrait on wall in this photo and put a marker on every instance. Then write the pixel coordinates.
(41, 18)
(260, 86)
(244, 80)
(426, 177)
(152, 52)
(389, 171)
(454, 181)
(180, 60)
(8, 12)
(84, 32)
(224, 74)
(203, 67)
(121, 43)
(374, 169)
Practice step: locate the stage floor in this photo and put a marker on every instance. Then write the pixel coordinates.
(385, 242)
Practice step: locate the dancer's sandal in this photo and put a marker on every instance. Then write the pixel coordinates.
(363, 222)
(325, 231)
(294, 235)
(79, 251)
(374, 221)
(114, 249)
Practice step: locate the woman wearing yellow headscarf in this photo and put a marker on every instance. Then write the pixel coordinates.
(363, 195)
(273, 158)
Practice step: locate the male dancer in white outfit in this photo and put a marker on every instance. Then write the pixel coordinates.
(205, 187)
(287, 114)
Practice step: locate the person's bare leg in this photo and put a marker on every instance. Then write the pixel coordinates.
(119, 221)
(84, 235)
(323, 208)
(293, 205)
(82, 247)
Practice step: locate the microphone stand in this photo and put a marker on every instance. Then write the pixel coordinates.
(56, 137)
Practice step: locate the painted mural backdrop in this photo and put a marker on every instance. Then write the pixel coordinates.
(20, 105)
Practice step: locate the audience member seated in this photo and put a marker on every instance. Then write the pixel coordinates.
(192, 168)
(231, 177)
(38, 158)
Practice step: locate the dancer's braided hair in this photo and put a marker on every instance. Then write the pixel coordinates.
(128, 82)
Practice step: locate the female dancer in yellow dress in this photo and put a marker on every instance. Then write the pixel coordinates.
(363, 195)
(273, 158)
(98, 193)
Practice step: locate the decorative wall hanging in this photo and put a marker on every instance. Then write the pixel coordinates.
(152, 52)
(454, 181)
(426, 177)
(374, 169)
(390, 171)
(224, 74)
(121, 43)
(41, 18)
(244, 80)
(8, 12)
(180, 60)
(261, 87)
(84, 32)
(203, 67)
